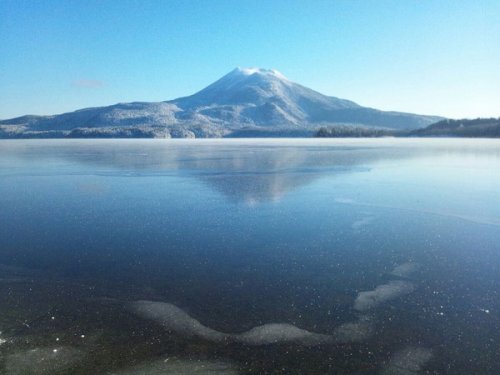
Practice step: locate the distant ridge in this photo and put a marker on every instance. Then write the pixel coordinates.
(244, 102)
(477, 128)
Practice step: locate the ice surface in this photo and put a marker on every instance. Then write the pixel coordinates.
(358, 224)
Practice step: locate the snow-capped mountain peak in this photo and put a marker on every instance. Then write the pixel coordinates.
(260, 97)
(261, 71)
(244, 100)
(253, 86)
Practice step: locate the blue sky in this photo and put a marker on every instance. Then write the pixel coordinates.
(430, 57)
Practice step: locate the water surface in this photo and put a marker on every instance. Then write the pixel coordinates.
(398, 238)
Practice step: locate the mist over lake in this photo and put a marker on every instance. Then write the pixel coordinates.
(314, 256)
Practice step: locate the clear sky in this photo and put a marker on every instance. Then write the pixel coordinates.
(429, 57)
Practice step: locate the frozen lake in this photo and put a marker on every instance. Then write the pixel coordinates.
(250, 256)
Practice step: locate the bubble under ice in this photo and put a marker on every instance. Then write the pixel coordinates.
(393, 289)
(175, 319)
(408, 361)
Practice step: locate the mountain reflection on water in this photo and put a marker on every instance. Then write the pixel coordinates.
(249, 171)
(250, 256)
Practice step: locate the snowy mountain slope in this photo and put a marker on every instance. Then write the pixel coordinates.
(260, 97)
(250, 99)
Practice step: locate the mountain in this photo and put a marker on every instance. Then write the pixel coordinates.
(245, 102)
(477, 128)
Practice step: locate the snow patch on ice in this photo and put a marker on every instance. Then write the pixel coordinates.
(280, 332)
(393, 289)
(42, 361)
(176, 366)
(176, 320)
(405, 270)
(408, 361)
(356, 331)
